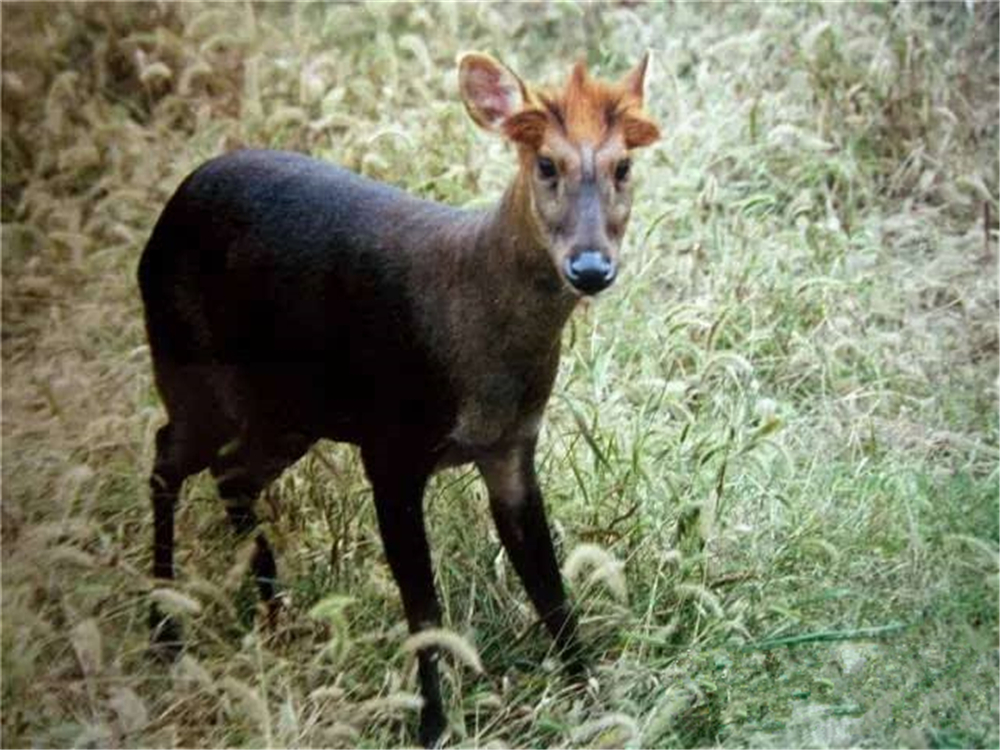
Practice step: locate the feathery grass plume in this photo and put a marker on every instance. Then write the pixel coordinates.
(289, 727)
(338, 734)
(331, 608)
(418, 48)
(447, 640)
(93, 734)
(156, 72)
(253, 108)
(63, 553)
(252, 706)
(737, 626)
(326, 693)
(606, 568)
(175, 602)
(73, 482)
(205, 22)
(702, 595)
(613, 577)
(287, 116)
(199, 70)
(708, 515)
(660, 721)
(766, 410)
(241, 564)
(130, 710)
(211, 592)
(668, 630)
(189, 673)
(672, 557)
(824, 546)
(394, 703)
(608, 731)
(333, 611)
(88, 645)
(40, 535)
(988, 551)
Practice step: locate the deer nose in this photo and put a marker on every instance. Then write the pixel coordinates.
(590, 271)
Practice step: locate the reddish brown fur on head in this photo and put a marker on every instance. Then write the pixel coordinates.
(574, 145)
(587, 110)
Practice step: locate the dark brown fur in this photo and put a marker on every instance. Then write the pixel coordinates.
(288, 300)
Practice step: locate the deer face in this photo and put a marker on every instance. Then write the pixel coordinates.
(574, 147)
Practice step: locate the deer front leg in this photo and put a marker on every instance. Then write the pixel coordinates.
(399, 489)
(519, 513)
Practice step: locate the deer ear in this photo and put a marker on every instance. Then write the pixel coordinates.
(634, 82)
(490, 90)
(527, 127)
(639, 130)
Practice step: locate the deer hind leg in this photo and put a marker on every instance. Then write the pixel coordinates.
(242, 469)
(179, 454)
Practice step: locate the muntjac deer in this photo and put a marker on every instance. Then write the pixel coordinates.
(288, 300)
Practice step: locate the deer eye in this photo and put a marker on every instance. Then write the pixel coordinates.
(622, 170)
(546, 168)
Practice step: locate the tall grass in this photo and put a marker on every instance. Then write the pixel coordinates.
(771, 460)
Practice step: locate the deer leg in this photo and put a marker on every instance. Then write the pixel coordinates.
(399, 490)
(169, 472)
(519, 514)
(239, 489)
(241, 474)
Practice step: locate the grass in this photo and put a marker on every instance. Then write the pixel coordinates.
(771, 456)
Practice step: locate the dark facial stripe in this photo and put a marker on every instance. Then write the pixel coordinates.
(556, 111)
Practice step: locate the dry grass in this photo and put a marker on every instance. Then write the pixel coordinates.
(773, 446)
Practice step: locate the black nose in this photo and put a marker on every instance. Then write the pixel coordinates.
(590, 271)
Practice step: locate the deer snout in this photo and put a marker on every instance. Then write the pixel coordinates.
(590, 271)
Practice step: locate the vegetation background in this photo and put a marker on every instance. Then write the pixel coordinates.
(772, 453)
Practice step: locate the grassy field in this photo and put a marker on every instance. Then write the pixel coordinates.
(772, 449)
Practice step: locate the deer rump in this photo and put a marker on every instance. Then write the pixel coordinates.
(282, 286)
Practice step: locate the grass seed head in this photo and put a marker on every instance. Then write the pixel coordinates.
(446, 640)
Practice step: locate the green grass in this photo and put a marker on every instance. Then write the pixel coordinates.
(781, 424)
